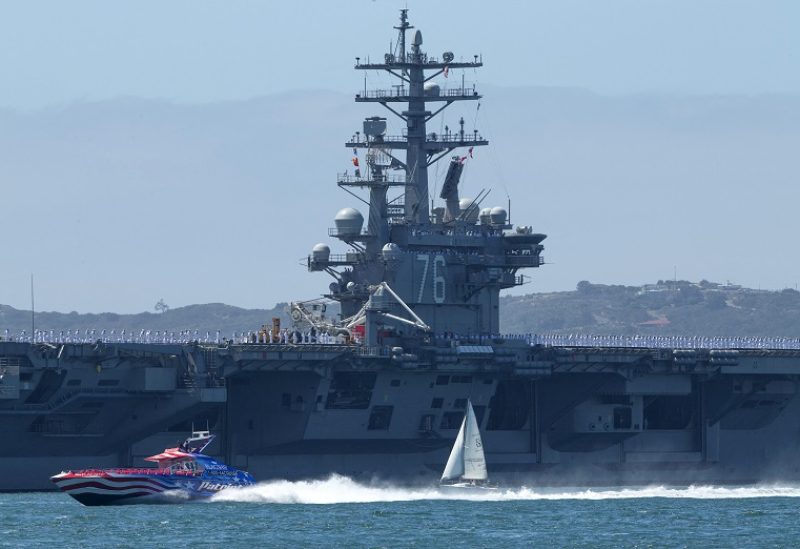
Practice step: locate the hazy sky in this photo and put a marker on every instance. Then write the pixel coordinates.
(55, 52)
(686, 158)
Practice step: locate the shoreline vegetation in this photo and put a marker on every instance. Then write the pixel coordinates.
(665, 308)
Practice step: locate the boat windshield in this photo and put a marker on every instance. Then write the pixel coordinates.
(185, 466)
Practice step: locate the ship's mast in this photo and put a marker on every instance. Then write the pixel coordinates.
(402, 28)
(414, 70)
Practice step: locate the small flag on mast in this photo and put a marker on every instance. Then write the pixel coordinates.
(468, 155)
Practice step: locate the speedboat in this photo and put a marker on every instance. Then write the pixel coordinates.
(183, 473)
(466, 467)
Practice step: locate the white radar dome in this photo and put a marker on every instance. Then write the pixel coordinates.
(321, 252)
(498, 216)
(485, 216)
(348, 222)
(469, 206)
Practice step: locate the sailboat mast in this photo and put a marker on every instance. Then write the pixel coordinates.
(33, 313)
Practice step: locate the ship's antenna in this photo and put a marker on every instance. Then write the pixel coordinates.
(401, 40)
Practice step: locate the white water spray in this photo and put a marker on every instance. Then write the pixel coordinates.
(339, 489)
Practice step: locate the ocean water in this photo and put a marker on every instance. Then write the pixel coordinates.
(339, 512)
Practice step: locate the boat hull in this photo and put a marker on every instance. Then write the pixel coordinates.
(121, 488)
(91, 499)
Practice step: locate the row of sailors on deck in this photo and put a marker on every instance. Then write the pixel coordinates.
(665, 341)
(296, 337)
(476, 232)
(284, 336)
(113, 336)
(291, 337)
(630, 341)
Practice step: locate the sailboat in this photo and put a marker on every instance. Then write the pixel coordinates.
(466, 466)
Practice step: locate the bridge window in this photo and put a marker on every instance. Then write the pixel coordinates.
(437, 402)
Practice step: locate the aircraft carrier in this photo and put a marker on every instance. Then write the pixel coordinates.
(378, 390)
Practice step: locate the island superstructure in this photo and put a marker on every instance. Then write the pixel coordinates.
(380, 390)
(417, 272)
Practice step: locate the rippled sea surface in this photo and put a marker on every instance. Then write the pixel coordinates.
(341, 513)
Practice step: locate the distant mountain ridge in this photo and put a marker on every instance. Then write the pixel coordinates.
(202, 318)
(666, 308)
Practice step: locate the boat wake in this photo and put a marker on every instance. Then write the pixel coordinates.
(339, 489)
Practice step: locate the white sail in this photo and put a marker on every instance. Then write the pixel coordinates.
(455, 463)
(474, 460)
(467, 461)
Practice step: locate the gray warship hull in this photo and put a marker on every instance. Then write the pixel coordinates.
(549, 415)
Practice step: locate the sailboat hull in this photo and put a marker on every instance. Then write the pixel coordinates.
(466, 488)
